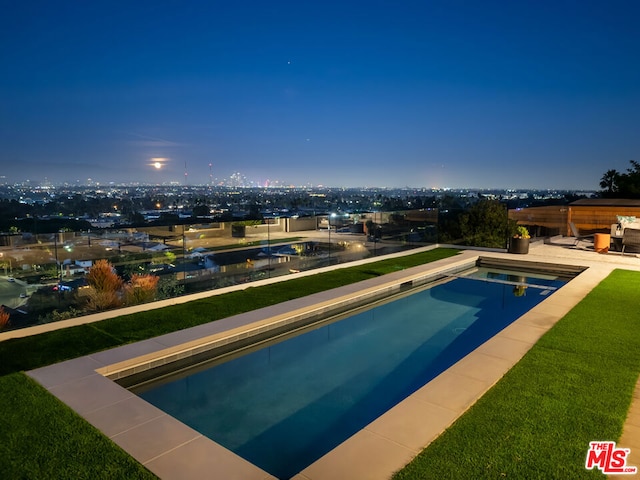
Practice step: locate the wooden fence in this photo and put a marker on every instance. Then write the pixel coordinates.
(551, 220)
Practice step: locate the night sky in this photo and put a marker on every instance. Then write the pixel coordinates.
(522, 94)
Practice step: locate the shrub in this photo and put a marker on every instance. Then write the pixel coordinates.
(4, 318)
(104, 286)
(141, 288)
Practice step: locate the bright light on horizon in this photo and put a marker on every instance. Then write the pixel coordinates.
(158, 162)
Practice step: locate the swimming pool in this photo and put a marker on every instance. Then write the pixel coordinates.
(286, 404)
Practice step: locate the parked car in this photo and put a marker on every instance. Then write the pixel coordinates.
(11, 279)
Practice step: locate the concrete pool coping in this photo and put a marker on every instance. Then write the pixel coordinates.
(170, 449)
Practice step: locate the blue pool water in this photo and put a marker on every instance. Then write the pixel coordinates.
(284, 406)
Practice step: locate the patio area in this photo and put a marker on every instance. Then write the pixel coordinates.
(564, 247)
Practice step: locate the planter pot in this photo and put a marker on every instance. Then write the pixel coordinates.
(519, 245)
(238, 231)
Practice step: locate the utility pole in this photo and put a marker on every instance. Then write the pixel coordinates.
(329, 221)
(184, 255)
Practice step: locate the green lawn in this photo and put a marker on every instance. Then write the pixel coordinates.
(574, 386)
(31, 352)
(41, 438)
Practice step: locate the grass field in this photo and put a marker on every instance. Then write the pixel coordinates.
(574, 386)
(39, 350)
(41, 438)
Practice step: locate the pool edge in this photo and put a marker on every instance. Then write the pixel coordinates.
(396, 432)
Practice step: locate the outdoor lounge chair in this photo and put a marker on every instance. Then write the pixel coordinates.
(579, 238)
(630, 237)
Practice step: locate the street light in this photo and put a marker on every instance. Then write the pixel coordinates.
(55, 247)
(329, 221)
(184, 256)
(374, 234)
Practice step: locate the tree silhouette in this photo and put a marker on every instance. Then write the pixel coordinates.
(609, 182)
(622, 185)
(486, 224)
(630, 181)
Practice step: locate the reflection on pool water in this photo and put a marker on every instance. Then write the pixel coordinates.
(285, 405)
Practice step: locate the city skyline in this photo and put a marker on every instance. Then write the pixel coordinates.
(417, 94)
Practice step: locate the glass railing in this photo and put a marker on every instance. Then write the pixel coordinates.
(45, 276)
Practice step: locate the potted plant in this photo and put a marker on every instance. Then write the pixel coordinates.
(519, 290)
(238, 230)
(519, 242)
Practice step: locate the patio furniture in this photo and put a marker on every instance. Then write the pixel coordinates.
(617, 230)
(616, 241)
(601, 242)
(630, 238)
(579, 238)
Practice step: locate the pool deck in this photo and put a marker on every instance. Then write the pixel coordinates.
(172, 450)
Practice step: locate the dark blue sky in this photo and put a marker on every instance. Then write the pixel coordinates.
(537, 94)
